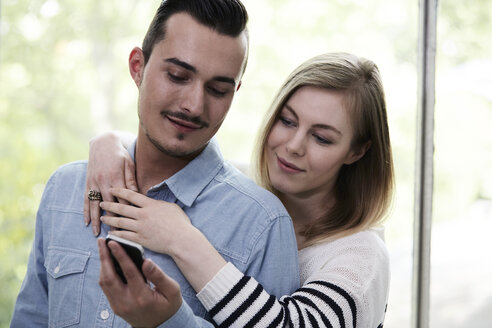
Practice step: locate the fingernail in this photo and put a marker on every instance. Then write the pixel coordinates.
(150, 267)
(95, 231)
(86, 221)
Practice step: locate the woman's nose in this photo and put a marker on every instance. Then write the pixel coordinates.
(296, 145)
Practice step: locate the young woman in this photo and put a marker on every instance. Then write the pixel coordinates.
(324, 150)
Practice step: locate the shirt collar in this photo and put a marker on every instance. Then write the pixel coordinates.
(188, 183)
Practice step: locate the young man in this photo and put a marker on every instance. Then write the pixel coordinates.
(187, 72)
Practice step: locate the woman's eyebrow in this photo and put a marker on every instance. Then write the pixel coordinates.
(316, 126)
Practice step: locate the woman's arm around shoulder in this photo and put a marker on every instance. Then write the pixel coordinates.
(338, 292)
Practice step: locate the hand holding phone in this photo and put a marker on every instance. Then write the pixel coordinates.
(133, 250)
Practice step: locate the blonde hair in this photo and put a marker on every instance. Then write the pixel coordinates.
(363, 190)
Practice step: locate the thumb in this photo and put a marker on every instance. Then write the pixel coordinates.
(164, 284)
(130, 180)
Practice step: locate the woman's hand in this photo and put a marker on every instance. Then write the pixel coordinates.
(164, 228)
(155, 224)
(110, 165)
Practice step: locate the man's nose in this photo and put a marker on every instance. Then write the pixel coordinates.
(193, 100)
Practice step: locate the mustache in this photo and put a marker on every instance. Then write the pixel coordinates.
(182, 116)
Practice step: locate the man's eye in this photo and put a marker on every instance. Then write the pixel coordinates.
(217, 92)
(176, 78)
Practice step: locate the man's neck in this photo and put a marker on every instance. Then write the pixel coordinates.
(154, 166)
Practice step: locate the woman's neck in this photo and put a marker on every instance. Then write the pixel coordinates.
(305, 210)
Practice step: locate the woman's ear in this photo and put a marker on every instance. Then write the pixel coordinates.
(136, 63)
(357, 154)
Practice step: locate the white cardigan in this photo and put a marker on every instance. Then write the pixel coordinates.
(345, 283)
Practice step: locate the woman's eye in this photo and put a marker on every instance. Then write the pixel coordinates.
(286, 121)
(322, 140)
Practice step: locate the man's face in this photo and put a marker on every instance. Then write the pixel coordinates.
(187, 86)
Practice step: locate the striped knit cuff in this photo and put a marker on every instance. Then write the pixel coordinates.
(220, 285)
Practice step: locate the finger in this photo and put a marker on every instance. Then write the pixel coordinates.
(118, 184)
(120, 222)
(164, 284)
(87, 218)
(133, 197)
(130, 180)
(107, 197)
(135, 280)
(95, 214)
(121, 209)
(123, 201)
(108, 279)
(129, 235)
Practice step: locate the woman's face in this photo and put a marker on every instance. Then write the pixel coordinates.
(309, 143)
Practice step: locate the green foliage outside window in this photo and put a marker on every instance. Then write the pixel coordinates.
(64, 78)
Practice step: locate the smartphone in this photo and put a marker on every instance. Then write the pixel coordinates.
(135, 252)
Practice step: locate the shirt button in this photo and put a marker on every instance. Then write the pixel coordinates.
(57, 269)
(105, 314)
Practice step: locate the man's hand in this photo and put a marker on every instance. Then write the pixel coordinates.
(137, 302)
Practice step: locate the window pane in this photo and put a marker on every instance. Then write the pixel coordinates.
(461, 291)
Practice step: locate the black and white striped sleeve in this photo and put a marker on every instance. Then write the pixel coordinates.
(236, 300)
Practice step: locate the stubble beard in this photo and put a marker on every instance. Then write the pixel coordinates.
(180, 136)
(176, 153)
(167, 151)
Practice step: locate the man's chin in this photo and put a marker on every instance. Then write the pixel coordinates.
(181, 150)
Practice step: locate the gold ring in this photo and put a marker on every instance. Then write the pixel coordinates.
(94, 195)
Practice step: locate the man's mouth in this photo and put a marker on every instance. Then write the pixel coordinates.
(184, 123)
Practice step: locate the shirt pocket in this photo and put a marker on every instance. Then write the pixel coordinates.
(66, 269)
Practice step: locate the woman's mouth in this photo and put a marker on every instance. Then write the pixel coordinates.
(287, 166)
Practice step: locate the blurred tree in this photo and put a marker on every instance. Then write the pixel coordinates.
(61, 83)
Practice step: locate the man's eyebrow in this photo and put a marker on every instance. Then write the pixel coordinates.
(317, 126)
(192, 69)
(181, 63)
(225, 79)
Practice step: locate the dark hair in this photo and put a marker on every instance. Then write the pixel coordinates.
(228, 17)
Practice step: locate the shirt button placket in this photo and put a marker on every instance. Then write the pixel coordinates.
(105, 316)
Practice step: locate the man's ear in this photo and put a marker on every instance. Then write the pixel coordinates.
(357, 154)
(136, 63)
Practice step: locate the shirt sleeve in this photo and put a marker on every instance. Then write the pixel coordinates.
(274, 259)
(31, 307)
(185, 318)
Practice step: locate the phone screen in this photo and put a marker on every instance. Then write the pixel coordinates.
(134, 251)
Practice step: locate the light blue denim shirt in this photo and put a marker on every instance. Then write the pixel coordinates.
(246, 224)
